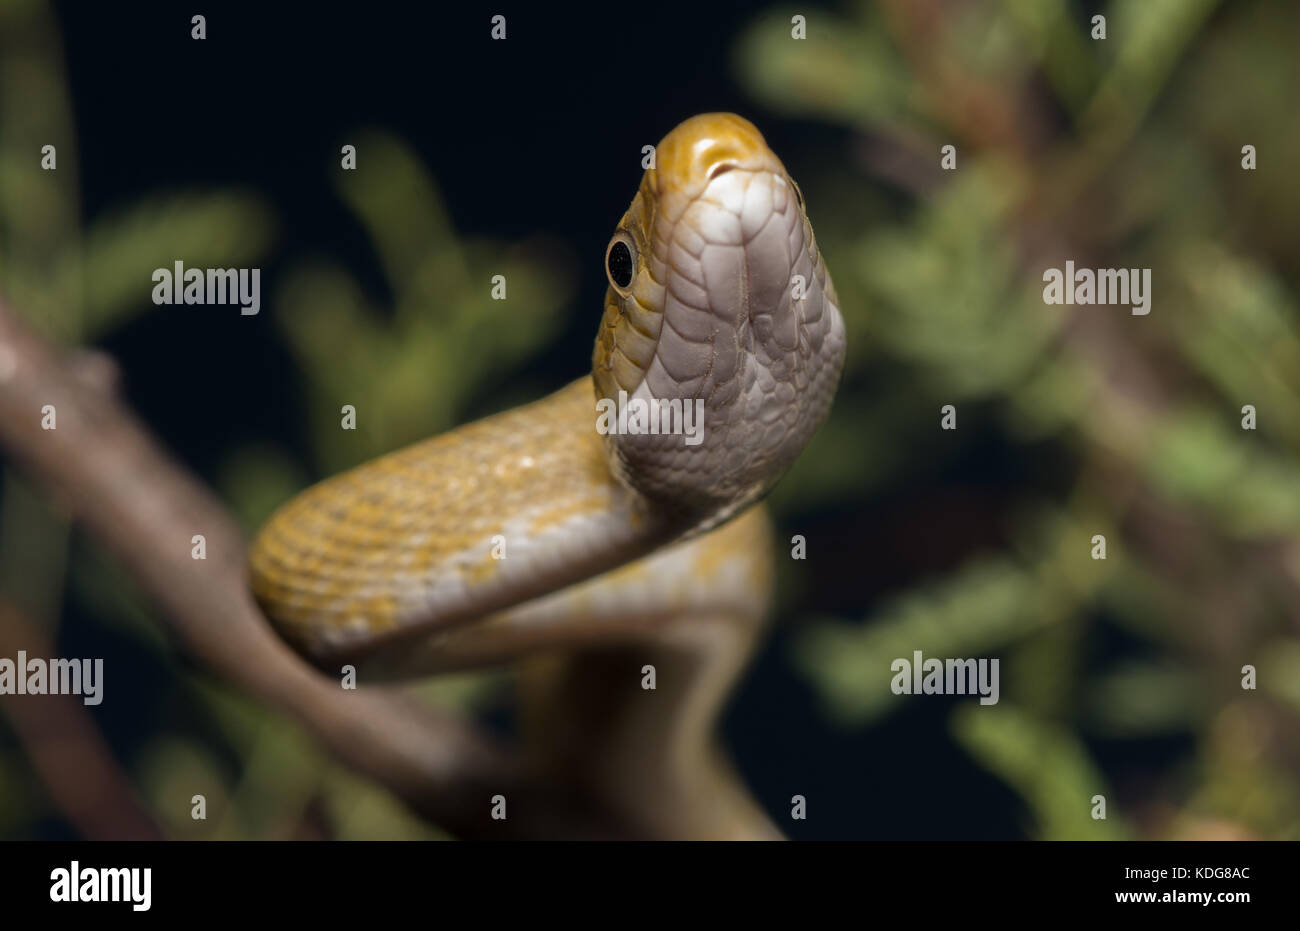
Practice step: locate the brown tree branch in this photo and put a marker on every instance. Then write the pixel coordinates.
(68, 752)
(101, 465)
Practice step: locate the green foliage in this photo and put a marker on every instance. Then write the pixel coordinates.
(944, 292)
(990, 603)
(985, 606)
(1138, 699)
(226, 230)
(77, 284)
(410, 367)
(1046, 766)
(1117, 153)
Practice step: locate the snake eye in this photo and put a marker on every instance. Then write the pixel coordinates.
(620, 260)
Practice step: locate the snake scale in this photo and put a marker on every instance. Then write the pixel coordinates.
(587, 554)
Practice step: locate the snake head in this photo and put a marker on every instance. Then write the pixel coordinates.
(721, 343)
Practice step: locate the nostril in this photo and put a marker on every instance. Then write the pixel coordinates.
(721, 169)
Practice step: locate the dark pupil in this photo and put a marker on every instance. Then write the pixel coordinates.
(620, 264)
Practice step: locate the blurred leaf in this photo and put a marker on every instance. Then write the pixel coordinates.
(1199, 459)
(1058, 45)
(282, 771)
(1139, 699)
(1244, 336)
(171, 772)
(122, 250)
(1240, 781)
(842, 71)
(1046, 765)
(1147, 38)
(1279, 671)
(983, 606)
(409, 372)
(462, 690)
(946, 288)
(38, 208)
(401, 209)
(361, 811)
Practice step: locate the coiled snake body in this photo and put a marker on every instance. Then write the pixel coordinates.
(619, 548)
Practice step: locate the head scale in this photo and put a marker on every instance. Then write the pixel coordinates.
(718, 301)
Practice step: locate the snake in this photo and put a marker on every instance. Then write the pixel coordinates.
(590, 548)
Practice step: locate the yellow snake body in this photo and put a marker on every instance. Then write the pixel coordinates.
(530, 531)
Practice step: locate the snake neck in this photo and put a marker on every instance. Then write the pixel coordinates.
(646, 755)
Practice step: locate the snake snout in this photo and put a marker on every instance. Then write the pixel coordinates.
(705, 146)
